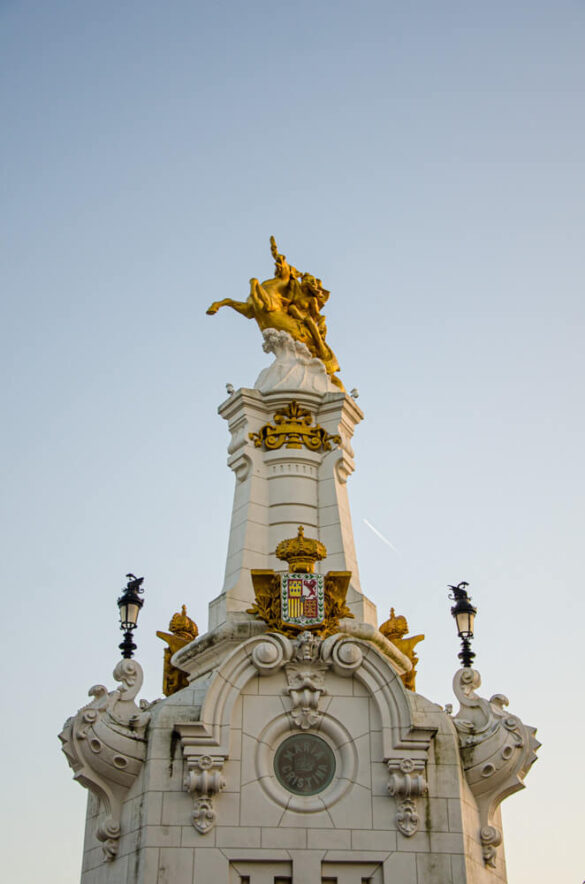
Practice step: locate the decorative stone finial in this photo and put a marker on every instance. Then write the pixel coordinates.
(301, 552)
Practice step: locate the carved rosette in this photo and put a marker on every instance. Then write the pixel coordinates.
(204, 780)
(105, 746)
(407, 783)
(497, 751)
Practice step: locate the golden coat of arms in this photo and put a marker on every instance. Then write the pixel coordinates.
(298, 600)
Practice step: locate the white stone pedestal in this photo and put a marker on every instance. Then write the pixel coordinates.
(276, 491)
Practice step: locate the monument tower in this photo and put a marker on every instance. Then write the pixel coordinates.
(291, 746)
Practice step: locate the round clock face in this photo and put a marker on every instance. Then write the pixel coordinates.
(304, 764)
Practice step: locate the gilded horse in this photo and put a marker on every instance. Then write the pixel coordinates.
(290, 301)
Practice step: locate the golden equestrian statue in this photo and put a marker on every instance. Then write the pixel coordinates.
(291, 301)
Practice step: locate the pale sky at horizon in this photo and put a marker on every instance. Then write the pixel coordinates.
(426, 160)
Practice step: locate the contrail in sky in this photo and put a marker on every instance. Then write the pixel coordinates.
(380, 535)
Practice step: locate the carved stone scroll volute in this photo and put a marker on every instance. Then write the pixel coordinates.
(497, 751)
(105, 746)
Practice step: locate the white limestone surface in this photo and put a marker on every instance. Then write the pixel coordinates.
(354, 829)
(278, 490)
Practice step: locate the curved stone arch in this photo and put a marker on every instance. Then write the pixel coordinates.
(400, 732)
(213, 728)
(268, 653)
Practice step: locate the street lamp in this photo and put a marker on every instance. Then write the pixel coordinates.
(464, 613)
(130, 604)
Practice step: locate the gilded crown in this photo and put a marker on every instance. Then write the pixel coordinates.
(301, 552)
(395, 627)
(183, 626)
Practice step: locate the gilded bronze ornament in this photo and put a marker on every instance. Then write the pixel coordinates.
(292, 302)
(183, 631)
(395, 630)
(324, 597)
(293, 427)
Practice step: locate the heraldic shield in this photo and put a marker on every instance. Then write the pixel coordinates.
(302, 599)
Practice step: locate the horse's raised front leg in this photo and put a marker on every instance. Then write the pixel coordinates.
(243, 307)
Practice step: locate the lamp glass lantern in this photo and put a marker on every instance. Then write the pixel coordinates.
(463, 613)
(129, 605)
(129, 611)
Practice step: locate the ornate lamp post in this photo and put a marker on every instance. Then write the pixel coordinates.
(464, 613)
(130, 604)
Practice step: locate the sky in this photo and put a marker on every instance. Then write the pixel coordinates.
(426, 160)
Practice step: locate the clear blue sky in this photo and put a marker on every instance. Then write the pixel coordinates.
(425, 160)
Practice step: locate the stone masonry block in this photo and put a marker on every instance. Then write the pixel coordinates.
(161, 836)
(177, 808)
(400, 868)
(175, 865)
(365, 840)
(238, 836)
(148, 866)
(319, 820)
(434, 869)
(329, 839)
(383, 813)
(257, 809)
(260, 709)
(433, 814)
(286, 838)
(354, 810)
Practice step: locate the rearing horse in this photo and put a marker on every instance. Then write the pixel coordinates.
(287, 305)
